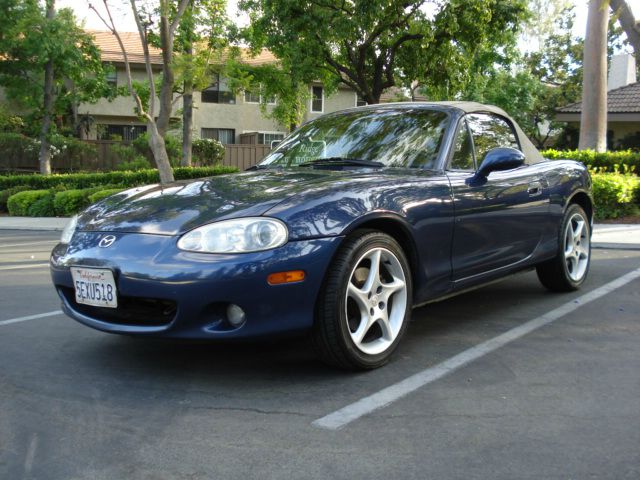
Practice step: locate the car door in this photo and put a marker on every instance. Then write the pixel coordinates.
(499, 222)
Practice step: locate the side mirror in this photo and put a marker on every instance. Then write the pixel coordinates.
(501, 158)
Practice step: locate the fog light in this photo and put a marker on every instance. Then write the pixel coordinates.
(235, 315)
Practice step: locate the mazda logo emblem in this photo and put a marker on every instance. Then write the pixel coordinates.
(107, 241)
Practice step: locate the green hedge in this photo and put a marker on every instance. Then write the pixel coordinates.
(615, 194)
(5, 194)
(124, 179)
(626, 160)
(19, 203)
(102, 194)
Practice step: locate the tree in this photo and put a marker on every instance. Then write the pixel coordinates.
(368, 44)
(629, 23)
(48, 64)
(202, 33)
(593, 118)
(168, 20)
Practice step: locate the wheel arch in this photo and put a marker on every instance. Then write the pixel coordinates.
(398, 229)
(583, 199)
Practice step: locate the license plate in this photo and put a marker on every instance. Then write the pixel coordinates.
(95, 286)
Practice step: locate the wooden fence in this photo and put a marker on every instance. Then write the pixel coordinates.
(106, 158)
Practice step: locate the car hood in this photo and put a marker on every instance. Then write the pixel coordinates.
(178, 207)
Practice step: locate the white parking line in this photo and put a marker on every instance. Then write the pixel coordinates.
(20, 267)
(29, 317)
(386, 396)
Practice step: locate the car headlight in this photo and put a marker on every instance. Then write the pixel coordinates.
(240, 235)
(69, 230)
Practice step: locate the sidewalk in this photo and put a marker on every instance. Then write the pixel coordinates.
(604, 235)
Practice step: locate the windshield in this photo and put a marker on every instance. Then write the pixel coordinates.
(394, 138)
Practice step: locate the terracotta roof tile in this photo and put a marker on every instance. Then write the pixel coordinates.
(620, 100)
(110, 49)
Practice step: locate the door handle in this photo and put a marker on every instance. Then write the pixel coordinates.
(534, 189)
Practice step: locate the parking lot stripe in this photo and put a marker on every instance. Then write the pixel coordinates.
(388, 395)
(20, 267)
(30, 317)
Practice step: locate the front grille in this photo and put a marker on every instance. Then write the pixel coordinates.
(137, 311)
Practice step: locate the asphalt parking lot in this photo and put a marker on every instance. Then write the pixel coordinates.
(561, 400)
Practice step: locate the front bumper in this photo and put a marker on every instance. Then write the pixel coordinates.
(163, 291)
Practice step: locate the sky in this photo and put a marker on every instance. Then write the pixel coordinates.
(124, 20)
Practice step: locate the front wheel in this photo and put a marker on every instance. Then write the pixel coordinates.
(568, 270)
(365, 303)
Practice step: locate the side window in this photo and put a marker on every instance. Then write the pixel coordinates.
(462, 149)
(490, 131)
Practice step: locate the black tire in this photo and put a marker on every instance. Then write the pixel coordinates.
(554, 274)
(331, 333)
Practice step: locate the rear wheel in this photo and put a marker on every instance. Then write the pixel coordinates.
(365, 303)
(568, 270)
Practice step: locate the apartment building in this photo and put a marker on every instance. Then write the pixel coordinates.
(219, 113)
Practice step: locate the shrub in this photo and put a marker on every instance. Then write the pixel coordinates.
(121, 179)
(607, 161)
(615, 194)
(5, 194)
(102, 194)
(172, 144)
(43, 207)
(19, 203)
(207, 152)
(70, 202)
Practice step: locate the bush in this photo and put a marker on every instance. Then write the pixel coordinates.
(102, 194)
(615, 194)
(19, 203)
(70, 152)
(172, 144)
(70, 202)
(606, 161)
(120, 179)
(207, 152)
(5, 194)
(43, 207)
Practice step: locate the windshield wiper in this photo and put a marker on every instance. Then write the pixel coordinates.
(342, 161)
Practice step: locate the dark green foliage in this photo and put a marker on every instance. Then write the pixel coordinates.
(606, 161)
(69, 202)
(101, 194)
(43, 207)
(5, 194)
(124, 179)
(172, 144)
(207, 152)
(19, 203)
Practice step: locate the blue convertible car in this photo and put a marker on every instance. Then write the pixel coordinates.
(350, 222)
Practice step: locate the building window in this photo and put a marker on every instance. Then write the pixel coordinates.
(112, 78)
(317, 99)
(225, 136)
(267, 138)
(360, 102)
(218, 92)
(250, 97)
(126, 133)
(257, 97)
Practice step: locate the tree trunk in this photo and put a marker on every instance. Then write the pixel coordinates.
(629, 24)
(187, 114)
(44, 156)
(168, 78)
(159, 150)
(593, 119)
(187, 125)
